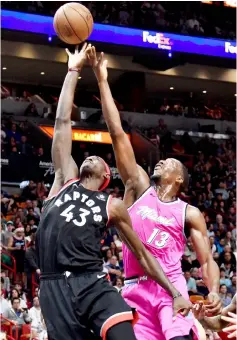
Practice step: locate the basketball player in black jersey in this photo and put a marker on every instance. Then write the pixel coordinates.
(77, 301)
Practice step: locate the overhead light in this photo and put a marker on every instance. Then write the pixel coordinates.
(79, 77)
(171, 88)
(170, 55)
(4, 68)
(42, 73)
(49, 38)
(204, 91)
(236, 95)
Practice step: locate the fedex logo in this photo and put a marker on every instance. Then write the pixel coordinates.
(159, 39)
(230, 48)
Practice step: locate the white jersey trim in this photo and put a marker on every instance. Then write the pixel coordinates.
(145, 192)
(169, 203)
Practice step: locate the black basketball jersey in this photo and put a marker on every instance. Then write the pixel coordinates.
(71, 228)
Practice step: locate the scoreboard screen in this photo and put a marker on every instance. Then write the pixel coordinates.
(230, 3)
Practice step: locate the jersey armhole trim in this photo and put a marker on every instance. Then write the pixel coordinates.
(107, 208)
(184, 221)
(66, 185)
(140, 197)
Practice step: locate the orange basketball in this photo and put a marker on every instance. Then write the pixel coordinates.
(73, 23)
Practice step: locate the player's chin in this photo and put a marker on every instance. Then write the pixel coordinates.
(155, 176)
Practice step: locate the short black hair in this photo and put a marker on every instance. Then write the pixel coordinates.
(185, 175)
(14, 299)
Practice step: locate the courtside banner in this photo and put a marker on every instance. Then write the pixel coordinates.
(126, 36)
(80, 135)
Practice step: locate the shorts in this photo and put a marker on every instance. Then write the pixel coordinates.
(155, 308)
(81, 307)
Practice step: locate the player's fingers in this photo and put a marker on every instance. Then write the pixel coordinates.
(67, 51)
(228, 319)
(233, 335)
(93, 51)
(76, 49)
(229, 328)
(101, 58)
(233, 315)
(213, 308)
(84, 47)
(105, 63)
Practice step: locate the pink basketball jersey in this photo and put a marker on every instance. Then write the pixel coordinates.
(160, 227)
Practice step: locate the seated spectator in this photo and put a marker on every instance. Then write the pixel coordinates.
(29, 192)
(14, 293)
(113, 268)
(5, 282)
(31, 111)
(41, 190)
(191, 283)
(201, 287)
(108, 256)
(118, 284)
(223, 280)
(212, 244)
(232, 288)
(4, 305)
(13, 133)
(7, 235)
(24, 147)
(226, 300)
(32, 216)
(35, 312)
(16, 313)
(36, 208)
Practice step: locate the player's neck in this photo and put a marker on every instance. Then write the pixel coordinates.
(90, 183)
(166, 193)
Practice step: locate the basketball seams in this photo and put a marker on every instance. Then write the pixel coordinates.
(58, 30)
(70, 24)
(88, 29)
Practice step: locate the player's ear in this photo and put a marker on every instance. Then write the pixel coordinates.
(179, 180)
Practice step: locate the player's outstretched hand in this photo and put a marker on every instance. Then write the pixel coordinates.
(232, 329)
(199, 310)
(99, 65)
(181, 306)
(214, 305)
(77, 59)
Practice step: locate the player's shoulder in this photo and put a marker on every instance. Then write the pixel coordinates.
(193, 214)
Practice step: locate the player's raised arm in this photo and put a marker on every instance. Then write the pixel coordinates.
(210, 271)
(64, 165)
(119, 217)
(125, 158)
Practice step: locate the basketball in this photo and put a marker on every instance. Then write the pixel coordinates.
(73, 23)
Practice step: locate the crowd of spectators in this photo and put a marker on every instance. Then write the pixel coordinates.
(190, 18)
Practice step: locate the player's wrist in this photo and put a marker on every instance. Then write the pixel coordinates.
(176, 295)
(74, 69)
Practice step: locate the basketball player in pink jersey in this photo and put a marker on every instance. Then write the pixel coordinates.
(162, 222)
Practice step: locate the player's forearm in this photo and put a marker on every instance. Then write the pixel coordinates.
(152, 268)
(66, 98)
(62, 140)
(110, 111)
(211, 275)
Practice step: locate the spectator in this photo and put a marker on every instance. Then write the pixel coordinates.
(31, 111)
(4, 305)
(118, 284)
(16, 313)
(8, 234)
(5, 282)
(113, 268)
(24, 147)
(223, 279)
(31, 266)
(232, 287)
(16, 245)
(201, 287)
(13, 133)
(35, 313)
(191, 283)
(14, 293)
(226, 300)
(212, 244)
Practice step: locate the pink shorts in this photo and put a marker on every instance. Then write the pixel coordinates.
(155, 309)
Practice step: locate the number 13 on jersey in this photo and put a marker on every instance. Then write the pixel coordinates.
(158, 238)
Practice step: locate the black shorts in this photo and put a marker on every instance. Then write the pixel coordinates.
(81, 307)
